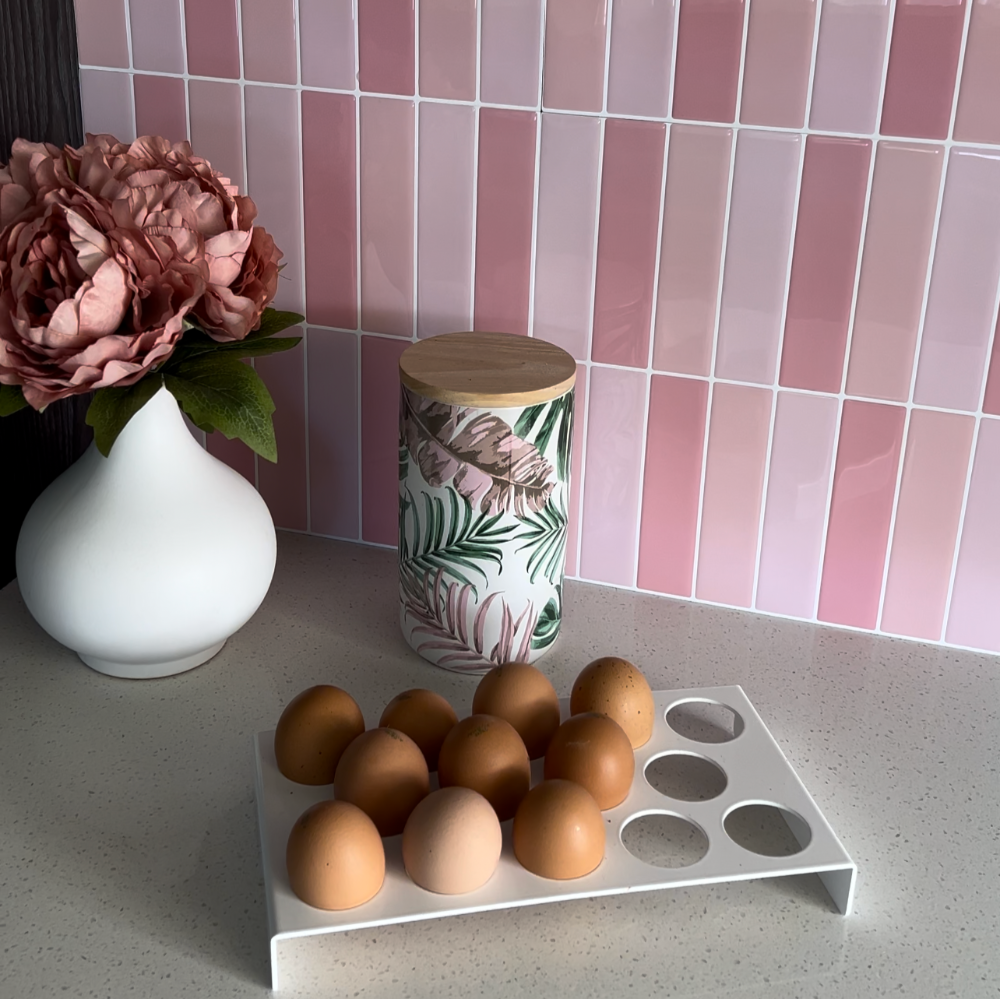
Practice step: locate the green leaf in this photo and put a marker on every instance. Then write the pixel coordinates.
(545, 538)
(11, 399)
(272, 321)
(233, 348)
(528, 419)
(112, 408)
(547, 627)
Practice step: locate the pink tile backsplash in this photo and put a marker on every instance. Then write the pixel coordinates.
(448, 49)
(642, 40)
(709, 43)
(510, 66)
(978, 116)
(211, 32)
(107, 103)
(269, 41)
(326, 43)
(160, 106)
(576, 472)
(575, 33)
(216, 112)
(155, 28)
(101, 37)
(386, 57)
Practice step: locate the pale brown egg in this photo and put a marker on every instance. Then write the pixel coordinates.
(594, 751)
(424, 716)
(335, 858)
(452, 841)
(614, 687)
(486, 754)
(523, 696)
(559, 831)
(384, 773)
(313, 730)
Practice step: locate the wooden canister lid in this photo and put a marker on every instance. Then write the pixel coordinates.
(487, 370)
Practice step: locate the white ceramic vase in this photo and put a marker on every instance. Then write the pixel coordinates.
(146, 561)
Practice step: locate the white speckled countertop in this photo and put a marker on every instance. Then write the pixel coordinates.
(130, 864)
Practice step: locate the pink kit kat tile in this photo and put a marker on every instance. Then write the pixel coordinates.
(575, 41)
(991, 399)
(213, 47)
(863, 490)
(966, 268)
(100, 33)
(448, 49)
(827, 237)
(576, 471)
(626, 244)
(233, 453)
(709, 43)
(509, 51)
(107, 103)
(734, 482)
(694, 218)
(386, 46)
(330, 208)
(269, 41)
(567, 230)
(156, 35)
(671, 487)
(978, 117)
(160, 107)
(642, 39)
(326, 43)
(217, 126)
(387, 216)
(765, 190)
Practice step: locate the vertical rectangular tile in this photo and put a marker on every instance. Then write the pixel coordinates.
(509, 51)
(734, 484)
(864, 485)
(100, 33)
(506, 187)
(386, 46)
(217, 126)
(160, 107)
(448, 49)
(332, 378)
(387, 216)
(574, 54)
(991, 399)
(671, 486)
(617, 410)
(795, 511)
(326, 43)
(567, 230)
(106, 98)
(827, 237)
(707, 75)
(923, 59)
(213, 45)
(894, 268)
(642, 41)
(978, 116)
(233, 453)
(269, 41)
(761, 211)
(329, 199)
(927, 514)
(576, 468)
(445, 223)
(694, 219)
(966, 268)
(155, 26)
(626, 242)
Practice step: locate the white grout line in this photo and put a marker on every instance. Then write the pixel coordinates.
(475, 163)
(358, 250)
(184, 61)
(533, 253)
(416, 169)
(131, 65)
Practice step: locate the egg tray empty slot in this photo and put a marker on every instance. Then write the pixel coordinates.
(750, 779)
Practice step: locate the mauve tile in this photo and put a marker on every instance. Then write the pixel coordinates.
(959, 317)
(385, 46)
(861, 509)
(326, 43)
(642, 39)
(795, 510)
(160, 107)
(269, 41)
(709, 40)
(611, 489)
(100, 33)
(329, 198)
(734, 483)
(213, 47)
(927, 514)
(978, 117)
(448, 49)
(509, 51)
(901, 216)
(576, 468)
(991, 399)
(446, 180)
(827, 236)
(506, 186)
(574, 54)
(671, 487)
(387, 216)
(923, 59)
(216, 114)
(626, 243)
(567, 230)
(233, 453)
(694, 219)
(765, 188)
(106, 98)
(155, 26)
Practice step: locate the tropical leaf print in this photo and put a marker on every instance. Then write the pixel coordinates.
(558, 419)
(544, 535)
(547, 627)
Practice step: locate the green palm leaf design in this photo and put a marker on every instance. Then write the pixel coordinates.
(544, 535)
(558, 419)
(547, 627)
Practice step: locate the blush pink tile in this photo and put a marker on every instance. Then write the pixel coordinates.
(671, 487)
(511, 40)
(329, 200)
(387, 216)
(923, 59)
(761, 212)
(617, 409)
(576, 469)
(795, 511)
(213, 47)
(217, 126)
(448, 49)
(155, 27)
(106, 98)
(901, 216)
(626, 243)
(694, 219)
(978, 117)
(100, 33)
(991, 399)
(827, 237)
(233, 453)
(160, 107)
(506, 186)
(734, 484)
(927, 514)
(269, 41)
(642, 39)
(566, 230)
(959, 317)
(850, 53)
(575, 42)
(709, 40)
(863, 490)
(326, 42)
(386, 46)
(445, 218)
(332, 376)
(380, 438)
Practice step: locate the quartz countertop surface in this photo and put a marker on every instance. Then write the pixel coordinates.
(130, 860)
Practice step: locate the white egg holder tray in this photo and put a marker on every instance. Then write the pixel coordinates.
(756, 771)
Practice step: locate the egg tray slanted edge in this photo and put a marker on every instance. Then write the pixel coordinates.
(756, 771)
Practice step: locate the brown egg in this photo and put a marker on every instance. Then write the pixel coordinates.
(384, 773)
(523, 696)
(559, 831)
(334, 857)
(313, 730)
(424, 716)
(593, 750)
(614, 687)
(487, 755)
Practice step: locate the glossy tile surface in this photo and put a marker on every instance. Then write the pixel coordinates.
(213, 47)
(106, 99)
(574, 54)
(991, 398)
(100, 33)
(386, 46)
(155, 28)
(510, 71)
(326, 42)
(576, 471)
(269, 41)
(709, 43)
(978, 116)
(448, 49)
(233, 453)
(160, 106)
(640, 70)
(217, 126)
